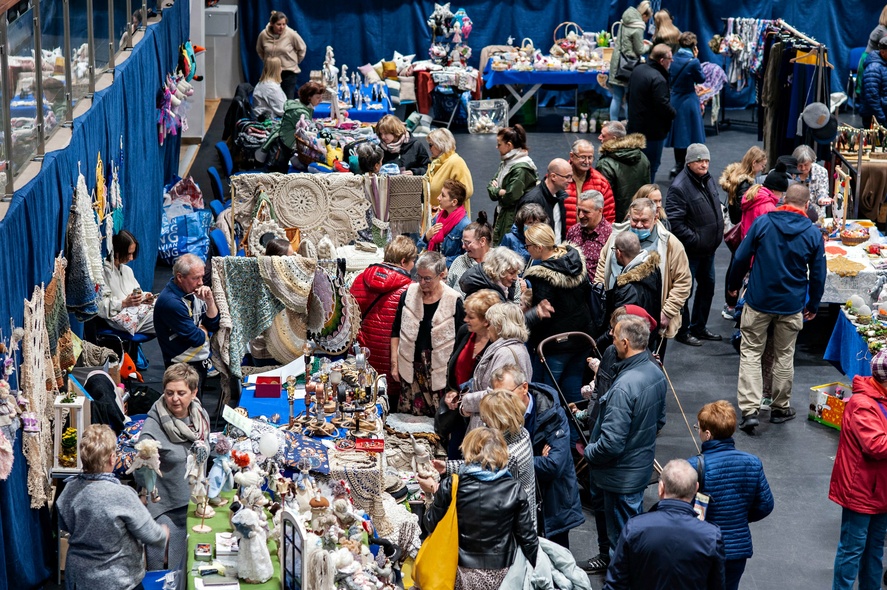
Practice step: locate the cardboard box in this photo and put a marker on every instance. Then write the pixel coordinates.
(268, 387)
(827, 403)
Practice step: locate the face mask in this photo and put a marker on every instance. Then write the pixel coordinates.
(642, 234)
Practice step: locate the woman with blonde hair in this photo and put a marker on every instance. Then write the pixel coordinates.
(399, 147)
(108, 525)
(492, 500)
(561, 279)
(446, 164)
(654, 193)
(666, 32)
(268, 96)
(739, 176)
(507, 332)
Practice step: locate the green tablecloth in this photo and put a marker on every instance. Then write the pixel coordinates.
(220, 524)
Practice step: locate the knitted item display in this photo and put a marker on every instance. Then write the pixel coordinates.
(37, 386)
(220, 342)
(332, 300)
(405, 197)
(86, 279)
(289, 278)
(89, 232)
(58, 327)
(318, 205)
(286, 336)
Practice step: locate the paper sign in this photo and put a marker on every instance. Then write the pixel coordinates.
(237, 420)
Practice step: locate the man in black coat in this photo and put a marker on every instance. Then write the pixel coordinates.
(640, 282)
(550, 195)
(669, 547)
(547, 424)
(649, 104)
(694, 209)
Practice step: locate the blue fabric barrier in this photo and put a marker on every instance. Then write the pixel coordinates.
(365, 32)
(33, 233)
(847, 350)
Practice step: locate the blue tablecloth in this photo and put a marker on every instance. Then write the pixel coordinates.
(847, 350)
(322, 110)
(267, 406)
(589, 78)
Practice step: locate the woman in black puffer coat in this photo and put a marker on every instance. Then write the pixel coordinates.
(560, 278)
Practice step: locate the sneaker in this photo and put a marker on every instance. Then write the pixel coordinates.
(728, 313)
(212, 372)
(778, 416)
(748, 423)
(597, 564)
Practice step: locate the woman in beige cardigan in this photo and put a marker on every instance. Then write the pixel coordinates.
(280, 41)
(423, 336)
(446, 163)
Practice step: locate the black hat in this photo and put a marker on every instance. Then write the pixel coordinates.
(790, 163)
(778, 179)
(827, 133)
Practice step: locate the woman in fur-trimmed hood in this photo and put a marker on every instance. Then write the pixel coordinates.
(560, 277)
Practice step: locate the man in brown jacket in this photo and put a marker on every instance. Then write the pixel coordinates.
(675, 269)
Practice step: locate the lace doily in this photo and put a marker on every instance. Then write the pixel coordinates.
(286, 336)
(289, 278)
(258, 230)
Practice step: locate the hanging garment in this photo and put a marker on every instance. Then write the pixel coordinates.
(58, 327)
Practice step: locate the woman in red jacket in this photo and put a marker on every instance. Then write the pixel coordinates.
(858, 481)
(377, 290)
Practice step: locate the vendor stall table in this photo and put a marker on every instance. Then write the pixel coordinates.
(368, 115)
(839, 289)
(220, 524)
(533, 81)
(847, 350)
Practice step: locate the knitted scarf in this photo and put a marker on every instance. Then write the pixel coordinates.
(510, 160)
(449, 220)
(394, 146)
(177, 429)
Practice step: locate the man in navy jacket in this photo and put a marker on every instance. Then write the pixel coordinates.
(547, 424)
(184, 315)
(789, 269)
(669, 548)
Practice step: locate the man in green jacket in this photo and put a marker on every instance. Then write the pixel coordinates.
(623, 164)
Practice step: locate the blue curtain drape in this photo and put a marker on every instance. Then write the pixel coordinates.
(33, 233)
(368, 31)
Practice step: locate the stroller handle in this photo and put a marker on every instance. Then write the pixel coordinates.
(564, 337)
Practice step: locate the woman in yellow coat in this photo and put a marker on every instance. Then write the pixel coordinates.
(446, 163)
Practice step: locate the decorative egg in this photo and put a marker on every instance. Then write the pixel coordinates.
(856, 301)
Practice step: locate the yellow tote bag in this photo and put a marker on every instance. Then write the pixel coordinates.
(438, 557)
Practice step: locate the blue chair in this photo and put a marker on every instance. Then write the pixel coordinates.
(225, 157)
(215, 181)
(852, 67)
(123, 341)
(218, 207)
(220, 242)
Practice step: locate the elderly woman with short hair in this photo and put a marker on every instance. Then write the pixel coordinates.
(498, 272)
(447, 164)
(423, 335)
(177, 420)
(508, 334)
(814, 177)
(108, 524)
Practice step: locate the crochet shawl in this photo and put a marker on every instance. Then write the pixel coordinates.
(58, 327)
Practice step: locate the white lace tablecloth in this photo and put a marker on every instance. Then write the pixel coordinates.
(839, 289)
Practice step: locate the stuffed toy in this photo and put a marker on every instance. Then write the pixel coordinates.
(147, 465)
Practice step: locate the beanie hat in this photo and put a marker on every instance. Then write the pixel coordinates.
(777, 179)
(637, 310)
(697, 152)
(879, 367)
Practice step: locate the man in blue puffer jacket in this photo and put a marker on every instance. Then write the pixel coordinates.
(736, 483)
(874, 86)
(623, 441)
(547, 424)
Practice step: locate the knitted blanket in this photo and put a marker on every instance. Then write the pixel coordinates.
(249, 300)
(405, 197)
(80, 288)
(37, 387)
(331, 204)
(58, 327)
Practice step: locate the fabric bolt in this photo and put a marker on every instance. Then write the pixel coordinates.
(36, 375)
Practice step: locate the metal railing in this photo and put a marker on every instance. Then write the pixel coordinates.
(50, 64)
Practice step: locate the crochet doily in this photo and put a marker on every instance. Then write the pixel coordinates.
(37, 375)
(332, 204)
(258, 230)
(289, 278)
(286, 336)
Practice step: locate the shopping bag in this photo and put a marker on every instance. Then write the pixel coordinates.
(438, 557)
(185, 234)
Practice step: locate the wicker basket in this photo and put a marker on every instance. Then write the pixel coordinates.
(854, 241)
(568, 27)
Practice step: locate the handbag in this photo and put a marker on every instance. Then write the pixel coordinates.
(733, 237)
(597, 305)
(438, 558)
(625, 66)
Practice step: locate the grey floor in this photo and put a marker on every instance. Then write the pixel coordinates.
(795, 545)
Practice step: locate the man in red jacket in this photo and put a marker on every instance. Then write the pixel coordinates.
(858, 481)
(377, 291)
(586, 178)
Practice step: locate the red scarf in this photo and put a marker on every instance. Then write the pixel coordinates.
(449, 222)
(792, 209)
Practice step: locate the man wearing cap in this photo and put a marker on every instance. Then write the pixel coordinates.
(874, 86)
(789, 270)
(693, 207)
(857, 481)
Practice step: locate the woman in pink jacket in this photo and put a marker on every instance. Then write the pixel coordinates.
(761, 199)
(858, 481)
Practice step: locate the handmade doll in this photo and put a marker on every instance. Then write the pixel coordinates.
(195, 475)
(221, 475)
(253, 559)
(147, 464)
